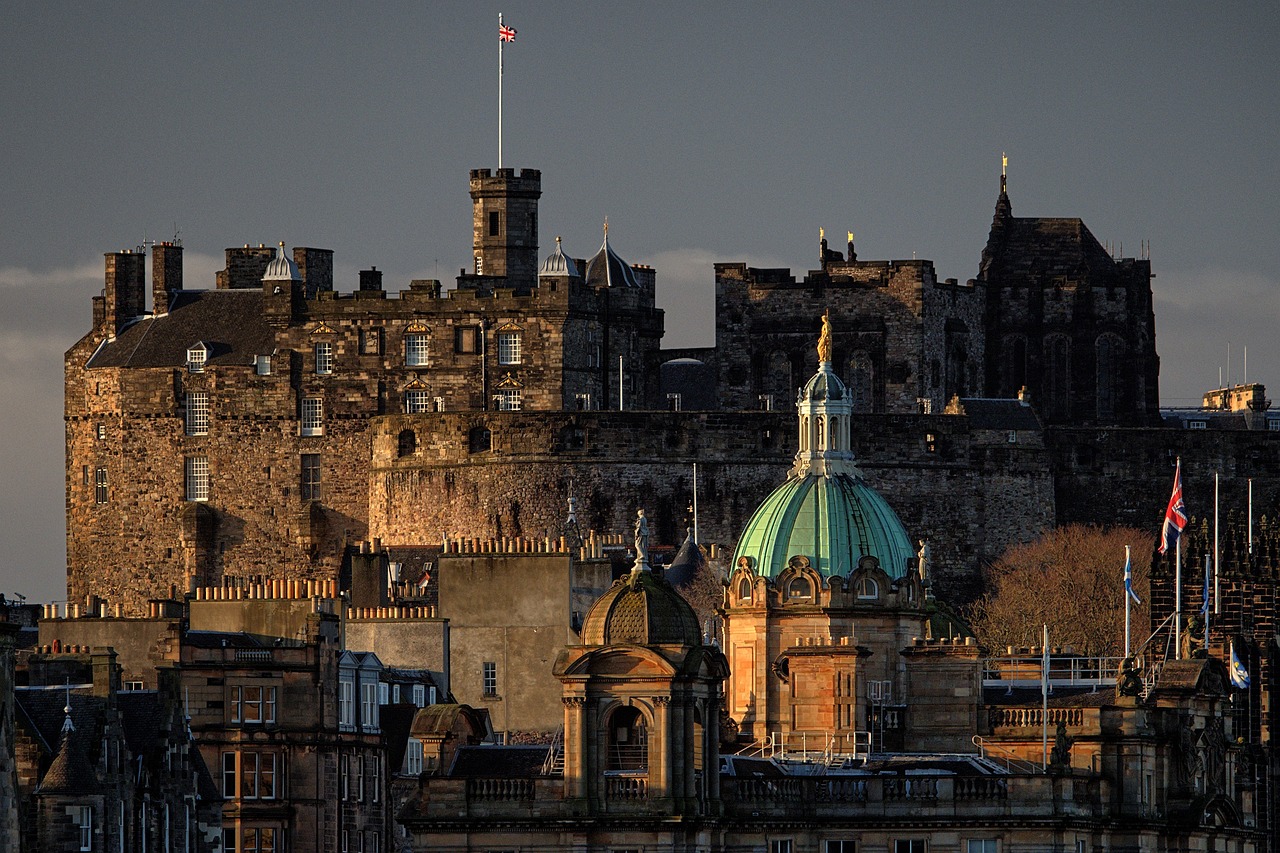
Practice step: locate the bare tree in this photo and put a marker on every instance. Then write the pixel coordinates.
(1071, 579)
(705, 594)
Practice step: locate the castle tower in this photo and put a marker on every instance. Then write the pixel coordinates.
(505, 224)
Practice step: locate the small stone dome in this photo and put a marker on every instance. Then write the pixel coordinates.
(606, 269)
(282, 268)
(824, 385)
(643, 609)
(558, 264)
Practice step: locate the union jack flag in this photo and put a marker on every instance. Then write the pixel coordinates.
(1175, 516)
(506, 33)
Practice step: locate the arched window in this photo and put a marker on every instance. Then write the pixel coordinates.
(835, 434)
(744, 589)
(628, 740)
(820, 443)
(777, 378)
(862, 382)
(804, 433)
(1110, 356)
(407, 443)
(1057, 377)
(479, 440)
(1013, 366)
(868, 588)
(800, 589)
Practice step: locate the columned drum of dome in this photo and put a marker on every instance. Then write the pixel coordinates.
(825, 511)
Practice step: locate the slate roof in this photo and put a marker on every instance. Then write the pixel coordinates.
(504, 762)
(229, 322)
(992, 413)
(684, 566)
(40, 713)
(1035, 251)
(142, 715)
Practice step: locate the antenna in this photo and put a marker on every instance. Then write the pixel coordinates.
(177, 241)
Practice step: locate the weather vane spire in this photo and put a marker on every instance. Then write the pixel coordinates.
(1004, 169)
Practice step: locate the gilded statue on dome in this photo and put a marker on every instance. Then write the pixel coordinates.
(824, 340)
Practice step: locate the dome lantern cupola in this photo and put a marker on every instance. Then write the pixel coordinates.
(825, 511)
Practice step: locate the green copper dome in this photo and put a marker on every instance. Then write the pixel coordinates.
(832, 520)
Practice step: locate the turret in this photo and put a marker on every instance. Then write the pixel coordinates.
(505, 224)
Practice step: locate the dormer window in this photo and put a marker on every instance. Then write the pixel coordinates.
(868, 589)
(799, 589)
(197, 356)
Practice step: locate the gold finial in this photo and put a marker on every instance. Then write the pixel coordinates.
(824, 340)
(606, 228)
(822, 233)
(1004, 164)
(850, 236)
(557, 241)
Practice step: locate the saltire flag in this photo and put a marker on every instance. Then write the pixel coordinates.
(1239, 675)
(506, 33)
(1175, 516)
(1128, 579)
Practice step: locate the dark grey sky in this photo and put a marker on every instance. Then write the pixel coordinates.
(718, 132)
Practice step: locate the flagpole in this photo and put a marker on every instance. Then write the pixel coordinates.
(501, 41)
(1216, 602)
(1126, 601)
(1044, 699)
(1177, 599)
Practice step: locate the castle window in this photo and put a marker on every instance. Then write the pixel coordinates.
(489, 678)
(84, 818)
(309, 488)
(416, 401)
(262, 365)
(466, 340)
(371, 341)
(416, 349)
(100, 485)
(628, 741)
(862, 382)
(324, 357)
(197, 356)
(594, 350)
(260, 840)
(197, 413)
(673, 402)
(256, 773)
(197, 478)
(509, 400)
(479, 440)
(766, 402)
(368, 708)
(253, 704)
(509, 348)
(406, 443)
(1057, 376)
(346, 708)
(1109, 350)
(495, 223)
(413, 757)
(582, 402)
(312, 416)
(1013, 367)
(868, 588)
(102, 432)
